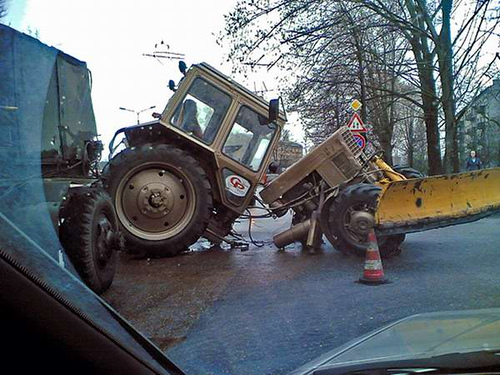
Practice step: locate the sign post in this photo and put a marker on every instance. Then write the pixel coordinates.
(356, 125)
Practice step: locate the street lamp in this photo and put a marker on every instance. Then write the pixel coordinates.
(137, 112)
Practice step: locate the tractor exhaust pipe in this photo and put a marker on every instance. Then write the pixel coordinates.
(296, 233)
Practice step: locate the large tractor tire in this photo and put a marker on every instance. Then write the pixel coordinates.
(162, 198)
(409, 172)
(90, 235)
(336, 221)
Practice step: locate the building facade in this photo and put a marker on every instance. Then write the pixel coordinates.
(479, 128)
(287, 153)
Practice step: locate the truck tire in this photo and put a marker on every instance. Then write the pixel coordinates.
(409, 172)
(162, 197)
(335, 221)
(90, 235)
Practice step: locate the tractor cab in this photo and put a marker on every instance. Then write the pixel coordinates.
(223, 118)
(225, 136)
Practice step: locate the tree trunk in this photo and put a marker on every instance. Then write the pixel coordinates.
(445, 58)
(432, 133)
(429, 103)
(385, 143)
(361, 74)
(410, 157)
(411, 146)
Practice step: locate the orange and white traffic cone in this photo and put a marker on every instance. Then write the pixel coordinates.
(373, 272)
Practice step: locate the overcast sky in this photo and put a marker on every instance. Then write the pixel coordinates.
(111, 37)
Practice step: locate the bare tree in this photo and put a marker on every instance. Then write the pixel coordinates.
(338, 50)
(409, 135)
(427, 26)
(341, 51)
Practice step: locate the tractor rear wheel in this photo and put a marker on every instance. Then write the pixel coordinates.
(90, 235)
(162, 197)
(337, 224)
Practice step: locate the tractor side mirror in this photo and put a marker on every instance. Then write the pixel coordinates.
(182, 67)
(171, 85)
(274, 109)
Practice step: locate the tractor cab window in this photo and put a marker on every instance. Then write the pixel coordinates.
(202, 111)
(249, 138)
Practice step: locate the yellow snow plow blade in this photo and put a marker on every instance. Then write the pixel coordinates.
(432, 202)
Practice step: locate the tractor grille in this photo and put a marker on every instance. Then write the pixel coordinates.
(358, 154)
(351, 143)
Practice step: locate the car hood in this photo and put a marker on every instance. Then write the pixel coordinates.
(417, 336)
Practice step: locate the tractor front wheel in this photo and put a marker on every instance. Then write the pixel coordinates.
(337, 221)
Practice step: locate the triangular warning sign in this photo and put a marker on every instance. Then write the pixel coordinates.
(355, 124)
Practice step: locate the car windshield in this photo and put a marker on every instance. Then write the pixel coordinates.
(321, 191)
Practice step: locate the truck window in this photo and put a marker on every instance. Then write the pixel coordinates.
(202, 110)
(249, 138)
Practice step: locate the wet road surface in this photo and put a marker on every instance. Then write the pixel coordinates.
(267, 312)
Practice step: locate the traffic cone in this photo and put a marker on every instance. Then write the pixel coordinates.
(373, 272)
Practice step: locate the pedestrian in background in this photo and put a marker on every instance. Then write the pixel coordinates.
(473, 162)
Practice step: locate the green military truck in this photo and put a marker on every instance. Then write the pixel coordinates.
(48, 127)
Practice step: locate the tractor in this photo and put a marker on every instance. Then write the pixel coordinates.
(193, 171)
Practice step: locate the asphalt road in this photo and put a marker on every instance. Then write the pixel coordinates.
(267, 312)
